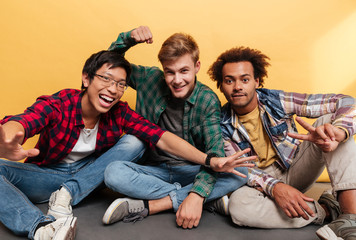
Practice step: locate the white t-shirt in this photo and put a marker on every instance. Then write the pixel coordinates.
(84, 146)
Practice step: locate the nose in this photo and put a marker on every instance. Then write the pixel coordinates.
(177, 78)
(237, 85)
(113, 88)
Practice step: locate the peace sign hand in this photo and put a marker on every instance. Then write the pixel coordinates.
(327, 137)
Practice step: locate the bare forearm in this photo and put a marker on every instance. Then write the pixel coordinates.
(180, 148)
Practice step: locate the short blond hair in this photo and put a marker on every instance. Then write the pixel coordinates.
(178, 45)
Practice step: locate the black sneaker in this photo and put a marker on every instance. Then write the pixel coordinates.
(126, 209)
(343, 227)
(219, 205)
(331, 204)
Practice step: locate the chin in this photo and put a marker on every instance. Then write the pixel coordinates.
(179, 95)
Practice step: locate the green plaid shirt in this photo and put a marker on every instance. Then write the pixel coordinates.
(201, 117)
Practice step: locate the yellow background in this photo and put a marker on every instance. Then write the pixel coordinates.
(44, 43)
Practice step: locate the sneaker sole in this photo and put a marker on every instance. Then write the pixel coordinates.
(226, 205)
(325, 233)
(111, 209)
(70, 229)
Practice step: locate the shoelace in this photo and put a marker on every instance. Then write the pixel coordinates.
(211, 209)
(133, 217)
(135, 210)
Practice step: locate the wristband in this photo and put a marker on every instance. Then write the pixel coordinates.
(208, 158)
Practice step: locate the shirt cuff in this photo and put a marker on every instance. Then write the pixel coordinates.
(126, 36)
(270, 190)
(204, 183)
(346, 132)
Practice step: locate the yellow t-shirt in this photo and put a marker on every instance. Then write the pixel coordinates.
(259, 138)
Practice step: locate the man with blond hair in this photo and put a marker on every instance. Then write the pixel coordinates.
(177, 102)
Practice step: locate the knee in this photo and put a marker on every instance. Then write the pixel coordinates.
(131, 148)
(241, 206)
(236, 207)
(322, 120)
(133, 143)
(115, 173)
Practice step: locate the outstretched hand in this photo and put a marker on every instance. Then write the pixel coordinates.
(292, 201)
(228, 164)
(11, 149)
(142, 34)
(327, 137)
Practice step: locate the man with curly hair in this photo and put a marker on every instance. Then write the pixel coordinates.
(262, 120)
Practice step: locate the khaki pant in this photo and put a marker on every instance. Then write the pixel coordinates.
(250, 207)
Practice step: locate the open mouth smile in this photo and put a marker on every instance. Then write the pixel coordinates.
(106, 100)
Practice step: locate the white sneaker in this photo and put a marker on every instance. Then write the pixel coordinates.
(59, 205)
(61, 229)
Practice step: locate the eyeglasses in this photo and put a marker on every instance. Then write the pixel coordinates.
(108, 82)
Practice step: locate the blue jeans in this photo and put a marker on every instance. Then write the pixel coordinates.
(155, 182)
(24, 183)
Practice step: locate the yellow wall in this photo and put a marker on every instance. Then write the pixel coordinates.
(44, 43)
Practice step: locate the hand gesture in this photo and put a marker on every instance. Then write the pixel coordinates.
(142, 34)
(228, 164)
(189, 212)
(292, 202)
(327, 137)
(12, 149)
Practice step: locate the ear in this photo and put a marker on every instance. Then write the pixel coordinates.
(197, 67)
(85, 80)
(257, 82)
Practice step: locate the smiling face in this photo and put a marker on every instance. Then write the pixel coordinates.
(99, 98)
(180, 75)
(239, 86)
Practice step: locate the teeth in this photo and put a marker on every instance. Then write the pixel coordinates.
(106, 98)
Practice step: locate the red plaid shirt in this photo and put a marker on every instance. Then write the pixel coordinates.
(58, 119)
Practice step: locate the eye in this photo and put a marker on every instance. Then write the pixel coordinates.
(107, 79)
(122, 84)
(245, 80)
(184, 70)
(228, 81)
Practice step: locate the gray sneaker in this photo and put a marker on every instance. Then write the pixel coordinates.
(219, 205)
(343, 227)
(126, 209)
(331, 204)
(59, 204)
(61, 229)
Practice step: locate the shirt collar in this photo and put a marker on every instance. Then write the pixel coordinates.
(77, 102)
(192, 99)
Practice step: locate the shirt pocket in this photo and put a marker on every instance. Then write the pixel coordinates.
(279, 132)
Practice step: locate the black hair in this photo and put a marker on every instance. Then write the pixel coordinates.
(97, 60)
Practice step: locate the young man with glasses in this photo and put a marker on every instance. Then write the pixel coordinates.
(76, 127)
(177, 102)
